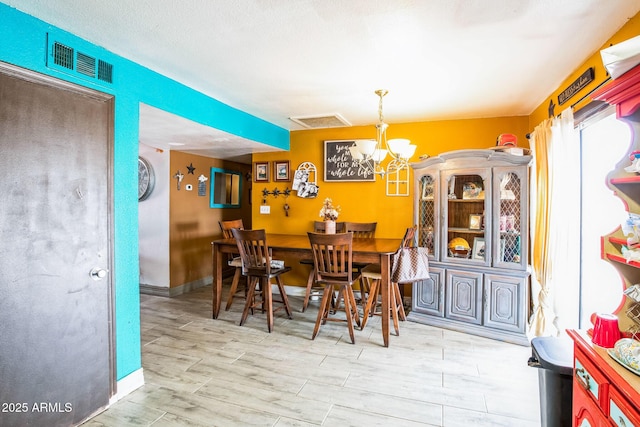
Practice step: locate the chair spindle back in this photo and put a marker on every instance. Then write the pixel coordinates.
(361, 230)
(333, 256)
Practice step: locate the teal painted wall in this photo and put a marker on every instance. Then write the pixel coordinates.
(24, 44)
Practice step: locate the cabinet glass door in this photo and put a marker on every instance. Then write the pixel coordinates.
(465, 225)
(510, 220)
(427, 220)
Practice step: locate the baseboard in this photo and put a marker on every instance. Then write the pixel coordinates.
(127, 385)
(291, 290)
(177, 290)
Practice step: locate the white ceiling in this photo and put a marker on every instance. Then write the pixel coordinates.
(276, 59)
(166, 131)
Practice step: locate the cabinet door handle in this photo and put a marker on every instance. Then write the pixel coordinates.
(583, 382)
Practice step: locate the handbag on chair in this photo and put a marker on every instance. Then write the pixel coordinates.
(410, 265)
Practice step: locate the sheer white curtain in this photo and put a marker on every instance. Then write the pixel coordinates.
(555, 226)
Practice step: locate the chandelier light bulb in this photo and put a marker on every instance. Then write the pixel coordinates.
(366, 146)
(379, 155)
(398, 145)
(355, 153)
(409, 151)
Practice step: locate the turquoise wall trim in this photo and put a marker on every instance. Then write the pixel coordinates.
(25, 45)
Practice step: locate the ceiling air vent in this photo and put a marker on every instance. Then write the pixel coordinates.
(65, 58)
(318, 122)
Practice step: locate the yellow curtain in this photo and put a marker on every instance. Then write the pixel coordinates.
(542, 318)
(555, 226)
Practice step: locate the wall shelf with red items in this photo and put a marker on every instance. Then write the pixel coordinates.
(624, 93)
(626, 180)
(618, 241)
(614, 397)
(611, 250)
(622, 260)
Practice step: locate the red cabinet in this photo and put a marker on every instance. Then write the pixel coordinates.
(585, 412)
(604, 392)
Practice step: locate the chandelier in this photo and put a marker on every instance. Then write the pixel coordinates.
(371, 153)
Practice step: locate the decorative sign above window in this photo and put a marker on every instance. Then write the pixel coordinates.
(575, 87)
(340, 166)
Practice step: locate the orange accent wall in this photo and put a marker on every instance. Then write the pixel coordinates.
(367, 201)
(193, 224)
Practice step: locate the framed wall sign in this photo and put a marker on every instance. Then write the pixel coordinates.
(340, 166)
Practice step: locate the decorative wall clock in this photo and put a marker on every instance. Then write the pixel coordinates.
(146, 179)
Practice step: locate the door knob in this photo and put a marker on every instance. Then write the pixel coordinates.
(98, 273)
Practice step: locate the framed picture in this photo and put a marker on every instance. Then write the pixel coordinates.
(478, 251)
(261, 172)
(427, 191)
(471, 191)
(475, 222)
(281, 171)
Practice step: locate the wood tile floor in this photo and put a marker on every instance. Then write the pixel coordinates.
(204, 372)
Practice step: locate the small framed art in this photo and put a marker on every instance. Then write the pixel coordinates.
(261, 172)
(472, 191)
(475, 222)
(427, 191)
(478, 251)
(281, 171)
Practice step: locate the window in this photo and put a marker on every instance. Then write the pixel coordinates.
(604, 141)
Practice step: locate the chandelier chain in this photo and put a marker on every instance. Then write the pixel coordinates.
(381, 93)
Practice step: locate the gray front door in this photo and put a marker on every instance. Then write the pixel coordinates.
(56, 347)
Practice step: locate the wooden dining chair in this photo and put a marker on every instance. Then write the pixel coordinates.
(332, 261)
(371, 275)
(318, 227)
(234, 261)
(259, 268)
(361, 230)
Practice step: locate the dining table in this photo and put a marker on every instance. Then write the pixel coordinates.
(295, 247)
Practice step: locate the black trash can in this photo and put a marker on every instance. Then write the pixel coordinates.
(553, 356)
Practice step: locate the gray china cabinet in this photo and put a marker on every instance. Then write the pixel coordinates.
(471, 207)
